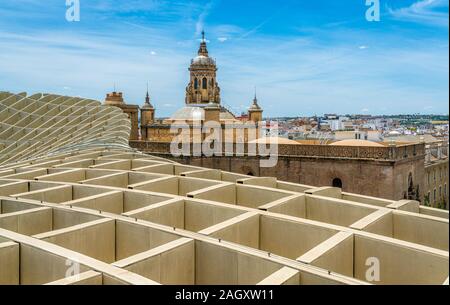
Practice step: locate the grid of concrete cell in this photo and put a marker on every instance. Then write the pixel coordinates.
(90, 214)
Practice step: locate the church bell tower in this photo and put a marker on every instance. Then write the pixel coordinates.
(203, 88)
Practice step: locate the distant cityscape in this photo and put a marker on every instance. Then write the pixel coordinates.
(335, 127)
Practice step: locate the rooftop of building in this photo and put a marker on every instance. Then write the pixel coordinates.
(190, 113)
(354, 142)
(78, 193)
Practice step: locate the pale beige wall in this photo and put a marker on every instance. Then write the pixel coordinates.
(76, 164)
(39, 185)
(421, 229)
(55, 194)
(242, 229)
(68, 218)
(326, 191)
(178, 169)
(28, 175)
(424, 230)
(167, 169)
(212, 174)
(12, 206)
(433, 212)
(9, 263)
(379, 222)
(111, 202)
(167, 185)
(13, 188)
(97, 173)
(187, 185)
(294, 187)
(134, 238)
(85, 278)
(366, 199)
(232, 177)
(259, 181)
(28, 222)
(334, 254)
(169, 264)
(116, 165)
(254, 196)
(335, 211)
(399, 264)
(133, 200)
(116, 180)
(199, 216)
(73, 175)
(284, 276)
(293, 206)
(225, 193)
(39, 267)
(169, 213)
(216, 265)
(288, 238)
(405, 205)
(95, 239)
(136, 177)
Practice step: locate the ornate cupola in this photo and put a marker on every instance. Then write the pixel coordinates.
(203, 87)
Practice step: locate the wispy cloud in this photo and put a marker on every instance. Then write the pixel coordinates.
(431, 12)
(343, 68)
(200, 24)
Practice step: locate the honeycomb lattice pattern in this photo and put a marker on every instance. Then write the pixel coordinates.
(78, 206)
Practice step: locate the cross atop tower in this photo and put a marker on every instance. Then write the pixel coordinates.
(203, 51)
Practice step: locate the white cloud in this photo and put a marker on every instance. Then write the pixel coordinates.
(307, 74)
(423, 11)
(153, 53)
(200, 25)
(222, 39)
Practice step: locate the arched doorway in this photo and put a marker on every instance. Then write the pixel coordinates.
(337, 183)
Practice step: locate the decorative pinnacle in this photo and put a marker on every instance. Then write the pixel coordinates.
(203, 49)
(147, 98)
(255, 106)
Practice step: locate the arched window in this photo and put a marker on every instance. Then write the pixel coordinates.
(337, 183)
(196, 83)
(205, 83)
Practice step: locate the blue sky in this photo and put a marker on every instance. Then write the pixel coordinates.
(306, 57)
